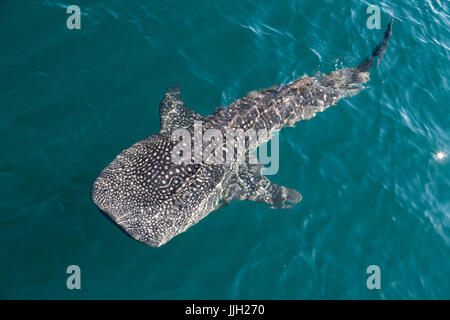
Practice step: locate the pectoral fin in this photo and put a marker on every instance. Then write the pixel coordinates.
(174, 114)
(250, 184)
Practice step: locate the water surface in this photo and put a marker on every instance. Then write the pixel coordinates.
(374, 191)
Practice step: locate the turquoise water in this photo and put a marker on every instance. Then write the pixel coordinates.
(374, 190)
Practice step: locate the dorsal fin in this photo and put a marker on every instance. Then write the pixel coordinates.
(174, 114)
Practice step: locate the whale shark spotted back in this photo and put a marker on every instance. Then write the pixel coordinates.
(152, 198)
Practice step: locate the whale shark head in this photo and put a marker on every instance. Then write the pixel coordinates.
(136, 191)
(148, 196)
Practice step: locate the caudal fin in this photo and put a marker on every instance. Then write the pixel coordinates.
(378, 51)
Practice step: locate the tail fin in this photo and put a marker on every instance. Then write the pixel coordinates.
(351, 79)
(378, 51)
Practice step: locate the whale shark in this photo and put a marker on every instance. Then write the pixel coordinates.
(153, 198)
